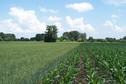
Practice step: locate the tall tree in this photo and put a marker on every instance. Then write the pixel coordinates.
(1, 36)
(74, 35)
(82, 37)
(54, 33)
(124, 38)
(51, 34)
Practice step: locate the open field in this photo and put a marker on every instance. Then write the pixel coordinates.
(22, 61)
(62, 63)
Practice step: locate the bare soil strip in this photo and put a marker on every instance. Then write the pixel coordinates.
(81, 77)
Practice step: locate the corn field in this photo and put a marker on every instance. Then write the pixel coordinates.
(90, 63)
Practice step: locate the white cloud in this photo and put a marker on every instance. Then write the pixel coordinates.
(25, 22)
(118, 29)
(8, 26)
(114, 16)
(60, 28)
(45, 10)
(52, 11)
(108, 24)
(54, 18)
(79, 25)
(80, 7)
(113, 26)
(116, 2)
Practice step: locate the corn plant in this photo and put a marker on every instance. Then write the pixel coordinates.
(64, 72)
(109, 60)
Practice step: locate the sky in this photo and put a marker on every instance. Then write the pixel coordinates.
(97, 18)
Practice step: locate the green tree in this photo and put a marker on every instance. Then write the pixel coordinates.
(1, 39)
(51, 34)
(23, 39)
(110, 39)
(65, 36)
(124, 38)
(82, 37)
(91, 39)
(74, 35)
(54, 34)
(32, 39)
(2, 35)
(39, 37)
(9, 37)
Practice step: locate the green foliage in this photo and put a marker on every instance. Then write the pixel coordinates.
(73, 36)
(82, 37)
(1, 39)
(65, 71)
(39, 37)
(23, 39)
(91, 39)
(7, 37)
(124, 38)
(2, 35)
(32, 39)
(43, 63)
(105, 64)
(110, 39)
(122, 41)
(64, 39)
(24, 62)
(51, 34)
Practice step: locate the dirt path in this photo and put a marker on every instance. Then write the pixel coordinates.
(81, 77)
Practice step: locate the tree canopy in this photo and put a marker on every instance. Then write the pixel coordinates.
(73, 36)
(51, 33)
(7, 37)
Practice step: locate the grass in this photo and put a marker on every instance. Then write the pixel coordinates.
(19, 61)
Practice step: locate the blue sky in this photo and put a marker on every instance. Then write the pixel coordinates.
(97, 18)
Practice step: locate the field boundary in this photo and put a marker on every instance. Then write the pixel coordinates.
(41, 72)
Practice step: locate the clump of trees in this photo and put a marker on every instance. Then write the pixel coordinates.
(39, 37)
(49, 36)
(73, 36)
(123, 40)
(7, 37)
(23, 39)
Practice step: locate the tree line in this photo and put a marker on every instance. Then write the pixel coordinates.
(50, 35)
(7, 37)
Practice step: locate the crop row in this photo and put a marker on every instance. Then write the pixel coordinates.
(65, 71)
(106, 63)
(102, 64)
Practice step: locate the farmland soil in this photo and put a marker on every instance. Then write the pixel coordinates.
(81, 77)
